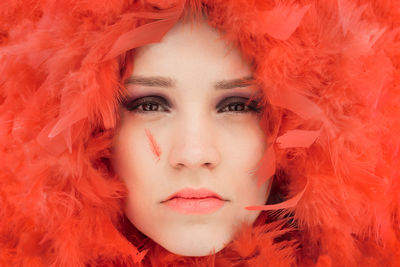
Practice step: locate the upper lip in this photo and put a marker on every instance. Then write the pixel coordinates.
(194, 193)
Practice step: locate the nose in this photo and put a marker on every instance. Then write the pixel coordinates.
(194, 145)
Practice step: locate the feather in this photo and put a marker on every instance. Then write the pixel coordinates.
(155, 148)
(282, 21)
(295, 102)
(334, 64)
(287, 204)
(349, 14)
(148, 33)
(297, 138)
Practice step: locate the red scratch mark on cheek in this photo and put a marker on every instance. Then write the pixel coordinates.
(155, 148)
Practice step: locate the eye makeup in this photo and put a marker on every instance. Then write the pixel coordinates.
(147, 103)
(238, 104)
(156, 103)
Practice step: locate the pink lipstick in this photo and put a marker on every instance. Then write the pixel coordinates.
(195, 201)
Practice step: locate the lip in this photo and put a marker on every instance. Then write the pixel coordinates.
(195, 201)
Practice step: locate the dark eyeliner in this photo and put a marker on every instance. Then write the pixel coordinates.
(133, 104)
(251, 104)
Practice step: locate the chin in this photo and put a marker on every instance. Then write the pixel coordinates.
(195, 243)
(195, 249)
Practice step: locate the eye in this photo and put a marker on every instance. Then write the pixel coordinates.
(147, 104)
(238, 104)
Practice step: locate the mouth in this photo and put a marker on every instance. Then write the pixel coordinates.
(190, 193)
(195, 201)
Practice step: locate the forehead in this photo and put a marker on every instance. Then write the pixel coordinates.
(191, 49)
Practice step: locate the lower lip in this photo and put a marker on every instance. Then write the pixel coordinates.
(195, 205)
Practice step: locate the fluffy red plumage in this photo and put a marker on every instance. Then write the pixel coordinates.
(330, 70)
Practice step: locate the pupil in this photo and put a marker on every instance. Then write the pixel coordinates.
(150, 107)
(237, 107)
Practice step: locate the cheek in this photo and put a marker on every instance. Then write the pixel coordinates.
(244, 144)
(134, 161)
(155, 147)
(244, 147)
(135, 152)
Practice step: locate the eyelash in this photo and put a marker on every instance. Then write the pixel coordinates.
(137, 105)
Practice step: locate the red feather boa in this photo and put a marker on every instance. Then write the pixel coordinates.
(330, 69)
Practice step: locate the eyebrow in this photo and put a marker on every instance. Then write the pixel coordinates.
(234, 83)
(158, 81)
(155, 81)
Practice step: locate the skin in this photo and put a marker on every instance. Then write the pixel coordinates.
(206, 141)
(155, 148)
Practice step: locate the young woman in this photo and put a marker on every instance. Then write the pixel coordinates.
(199, 133)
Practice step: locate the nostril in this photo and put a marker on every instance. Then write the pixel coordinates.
(193, 156)
(179, 166)
(209, 165)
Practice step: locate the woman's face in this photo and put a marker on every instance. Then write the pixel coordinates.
(186, 125)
